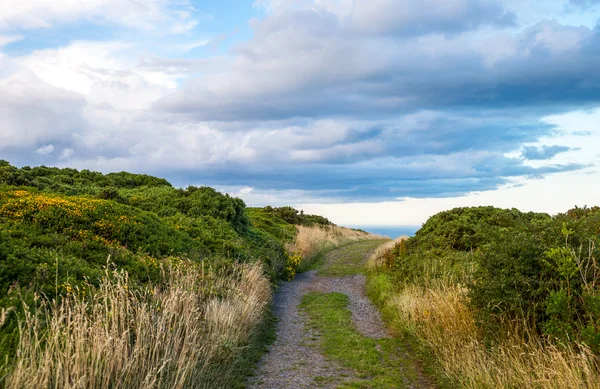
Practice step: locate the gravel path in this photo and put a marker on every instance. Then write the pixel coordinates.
(294, 360)
(365, 316)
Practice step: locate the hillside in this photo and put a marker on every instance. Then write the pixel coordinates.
(498, 297)
(68, 237)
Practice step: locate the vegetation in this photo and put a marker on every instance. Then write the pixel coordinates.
(498, 298)
(293, 216)
(70, 240)
(121, 337)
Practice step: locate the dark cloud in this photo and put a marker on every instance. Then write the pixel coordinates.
(34, 114)
(427, 154)
(379, 179)
(305, 63)
(406, 17)
(433, 105)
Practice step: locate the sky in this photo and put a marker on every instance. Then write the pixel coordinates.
(369, 112)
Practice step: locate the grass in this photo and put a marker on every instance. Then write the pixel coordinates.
(317, 260)
(377, 363)
(314, 241)
(433, 316)
(258, 345)
(348, 260)
(197, 331)
(381, 290)
(521, 359)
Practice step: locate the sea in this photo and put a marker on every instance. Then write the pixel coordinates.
(390, 231)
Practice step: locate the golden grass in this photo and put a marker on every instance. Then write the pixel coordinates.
(310, 240)
(186, 334)
(439, 316)
(435, 311)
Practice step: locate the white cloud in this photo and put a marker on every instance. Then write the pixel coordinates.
(66, 153)
(555, 37)
(186, 47)
(8, 39)
(146, 15)
(104, 72)
(77, 66)
(45, 150)
(34, 112)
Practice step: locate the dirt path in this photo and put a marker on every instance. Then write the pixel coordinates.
(295, 359)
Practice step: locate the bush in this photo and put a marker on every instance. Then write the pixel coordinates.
(58, 227)
(518, 266)
(293, 216)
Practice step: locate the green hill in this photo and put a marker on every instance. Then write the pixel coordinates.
(61, 228)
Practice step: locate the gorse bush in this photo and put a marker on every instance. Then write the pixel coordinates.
(519, 268)
(72, 182)
(192, 202)
(293, 216)
(58, 227)
(498, 298)
(544, 272)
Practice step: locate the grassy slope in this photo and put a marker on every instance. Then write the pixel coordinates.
(349, 260)
(452, 288)
(58, 227)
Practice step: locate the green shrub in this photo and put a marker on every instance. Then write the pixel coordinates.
(59, 227)
(293, 216)
(518, 267)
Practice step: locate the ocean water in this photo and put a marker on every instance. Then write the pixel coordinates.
(391, 231)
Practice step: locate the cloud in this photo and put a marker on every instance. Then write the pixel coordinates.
(8, 39)
(35, 113)
(66, 153)
(404, 17)
(426, 153)
(324, 103)
(28, 14)
(544, 152)
(407, 17)
(306, 63)
(45, 150)
(102, 72)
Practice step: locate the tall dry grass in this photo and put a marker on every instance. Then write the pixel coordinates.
(436, 312)
(186, 334)
(439, 316)
(311, 240)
